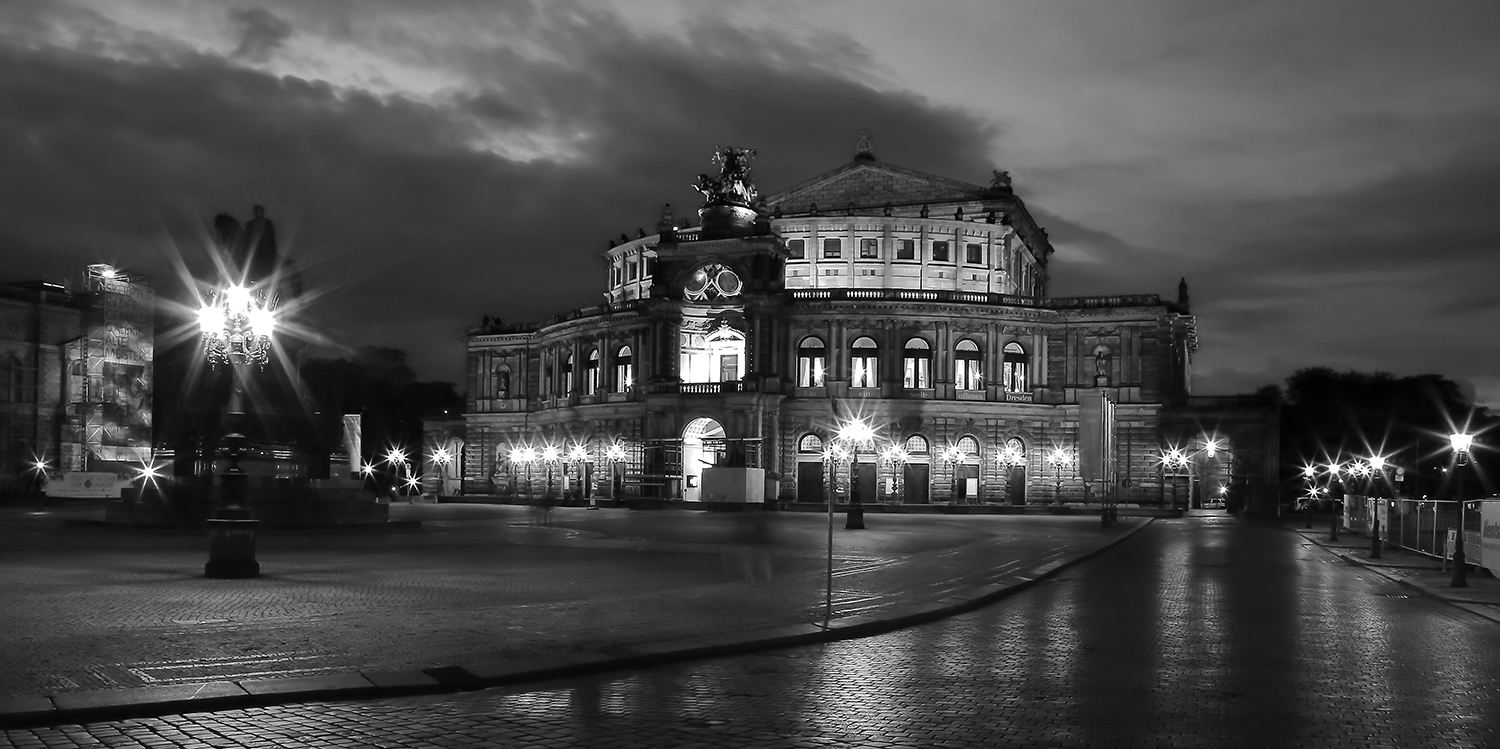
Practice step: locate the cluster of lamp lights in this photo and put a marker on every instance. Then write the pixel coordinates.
(237, 324)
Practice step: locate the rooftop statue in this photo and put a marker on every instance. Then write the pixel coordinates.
(253, 253)
(733, 185)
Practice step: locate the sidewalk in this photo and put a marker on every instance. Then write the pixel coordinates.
(512, 603)
(1419, 572)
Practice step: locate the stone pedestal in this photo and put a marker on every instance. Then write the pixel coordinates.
(231, 548)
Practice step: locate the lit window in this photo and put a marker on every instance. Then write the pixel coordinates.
(796, 247)
(833, 248)
(916, 361)
(968, 447)
(810, 443)
(591, 373)
(916, 445)
(869, 249)
(864, 364)
(966, 374)
(940, 252)
(1013, 377)
(906, 249)
(624, 371)
(974, 254)
(811, 362)
(567, 376)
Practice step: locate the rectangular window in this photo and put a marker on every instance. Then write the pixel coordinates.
(809, 371)
(940, 252)
(833, 248)
(918, 372)
(614, 275)
(869, 249)
(974, 254)
(796, 247)
(630, 270)
(906, 249)
(863, 372)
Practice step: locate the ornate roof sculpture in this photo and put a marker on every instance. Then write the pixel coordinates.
(733, 185)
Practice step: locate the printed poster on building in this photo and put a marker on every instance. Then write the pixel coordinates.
(1489, 521)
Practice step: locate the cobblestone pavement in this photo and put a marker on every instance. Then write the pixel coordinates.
(91, 608)
(1198, 632)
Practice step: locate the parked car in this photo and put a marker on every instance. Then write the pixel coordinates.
(1213, 504)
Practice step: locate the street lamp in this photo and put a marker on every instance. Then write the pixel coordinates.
(526, 456)
(1377, 471)
(550, 455)
(855, 434)
(579, 456)
(615, 455)
(896, 458)
(236, 323)
(1057, 458)
(1460, 443)
(1008, 458)
(1176, 461)
(1333, 504)
(1310, 473)
(952, 456)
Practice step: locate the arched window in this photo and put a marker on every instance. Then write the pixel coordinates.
(916, 364)
(12, 379)
(624, 370)
(966, 374)
(968, 447)
(502, 383)
(864, 363)
(591, 373)
(567, 376)
(810, 443)
(916, 445)
(811, 362)
(1013, 377)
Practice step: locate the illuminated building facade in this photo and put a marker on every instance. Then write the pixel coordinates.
(914, 303)
(76, 376)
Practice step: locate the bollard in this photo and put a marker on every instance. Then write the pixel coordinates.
(1460, 567)
(1375, 535)
(1333, 525)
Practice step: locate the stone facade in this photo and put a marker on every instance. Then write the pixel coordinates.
(913, 303)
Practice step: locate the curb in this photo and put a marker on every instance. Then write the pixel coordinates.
(1478, 609)
(28, 711)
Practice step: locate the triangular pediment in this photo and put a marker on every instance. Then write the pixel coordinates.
(872, 183)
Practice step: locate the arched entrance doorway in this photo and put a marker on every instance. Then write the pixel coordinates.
(702, 441)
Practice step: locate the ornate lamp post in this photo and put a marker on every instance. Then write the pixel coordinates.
(1333, 504)
(396, 457)
(615, 455)
(441, 459)
(579, 456)
(1310, 474)
(525, 456)
(1460, 443)
(1057, 459)
(1008, 458)
(856, 434)
(895, 458)
(952, 456)
(1377, 471)
(1175, 461)
(236, 323)
(550, 455)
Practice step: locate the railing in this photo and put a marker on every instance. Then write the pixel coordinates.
(1419, 526)
(701, 388)
(979, 297)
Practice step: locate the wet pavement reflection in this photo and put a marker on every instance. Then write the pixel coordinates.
(1196, 632)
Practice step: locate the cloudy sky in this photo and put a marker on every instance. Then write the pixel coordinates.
(1325, 174)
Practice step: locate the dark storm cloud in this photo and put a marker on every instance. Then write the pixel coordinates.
(261, 32)
(418, 214)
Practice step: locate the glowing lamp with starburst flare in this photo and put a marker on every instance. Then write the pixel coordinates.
(237, 324)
